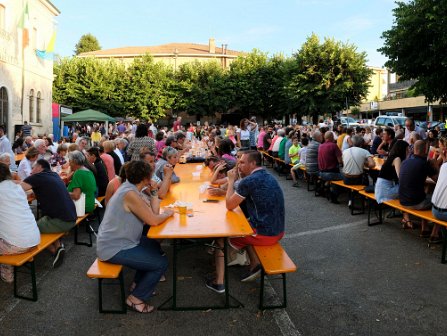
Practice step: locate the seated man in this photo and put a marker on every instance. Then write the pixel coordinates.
(354, 159)
(329, 159)
(265, 209)
(57, 208)
(412, 176)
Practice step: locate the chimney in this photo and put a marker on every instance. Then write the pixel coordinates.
(212, 46)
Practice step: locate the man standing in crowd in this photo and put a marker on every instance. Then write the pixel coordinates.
(57, 208)
(177, 124)
(411, 127)
(26, 129)
(266, 214)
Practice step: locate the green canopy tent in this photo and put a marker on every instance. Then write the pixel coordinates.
(88, 115)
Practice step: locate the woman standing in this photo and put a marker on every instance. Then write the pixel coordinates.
(243, 135)
(120, 238)
(18, 228)
(141, 140)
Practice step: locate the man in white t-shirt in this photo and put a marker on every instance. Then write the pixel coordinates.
(354, 159)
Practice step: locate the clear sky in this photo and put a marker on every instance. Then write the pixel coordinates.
(279, 26)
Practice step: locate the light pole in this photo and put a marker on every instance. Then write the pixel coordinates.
(175, 59)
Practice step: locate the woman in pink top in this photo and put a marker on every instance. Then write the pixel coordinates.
(261, 135)
(108, 162)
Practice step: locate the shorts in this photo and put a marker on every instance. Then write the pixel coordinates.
(424, 205)
(54, 225)
(239, 243)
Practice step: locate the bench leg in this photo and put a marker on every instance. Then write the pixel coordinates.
(123, 309)
(32, 272)
(379, 209)
(352, 198)
(262, 306)
(444, 243)
(77, 242)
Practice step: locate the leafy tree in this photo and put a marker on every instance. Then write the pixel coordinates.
(416, 45)
(201, 88)
(326, 75)
(147, 90)
(86, 43)
(89, 83)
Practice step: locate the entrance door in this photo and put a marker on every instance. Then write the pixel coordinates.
(4, 108)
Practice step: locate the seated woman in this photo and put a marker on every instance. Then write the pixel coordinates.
(169, 156)
(82, 181)
(59, 156)
(160, 186)
(26, 165)
(120, 237)
(101, 177)
(115, 183)
(18, 228)
(225, 149)
(387, 187)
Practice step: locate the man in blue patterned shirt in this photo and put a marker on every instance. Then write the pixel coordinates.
(264, 202)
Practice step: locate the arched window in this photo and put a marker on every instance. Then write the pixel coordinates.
(3, 106)
(31, 106)
(39, 107)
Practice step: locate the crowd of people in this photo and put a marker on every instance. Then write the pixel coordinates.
(132, 166)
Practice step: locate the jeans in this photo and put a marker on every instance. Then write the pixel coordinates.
(439, 215)
(330, 176)
(150, 265)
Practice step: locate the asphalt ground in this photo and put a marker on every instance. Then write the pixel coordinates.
(351, 280)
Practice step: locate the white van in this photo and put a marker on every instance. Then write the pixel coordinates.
(389, 121)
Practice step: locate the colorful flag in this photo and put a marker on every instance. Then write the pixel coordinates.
(49, 51)
(24, 25)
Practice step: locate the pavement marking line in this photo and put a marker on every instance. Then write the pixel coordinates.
(281, 316)
(324, 230)
(15, 301)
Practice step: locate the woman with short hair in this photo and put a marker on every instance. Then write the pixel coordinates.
(169, 156)
(26, 165)
(121, 240)
(82, 181)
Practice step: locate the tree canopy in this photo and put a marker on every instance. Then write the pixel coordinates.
(416, 46)
(86, 43)
(318, 79)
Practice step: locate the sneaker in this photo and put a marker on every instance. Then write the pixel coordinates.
(218, 288)
(252, 275)
(59, 257)
(241, 259)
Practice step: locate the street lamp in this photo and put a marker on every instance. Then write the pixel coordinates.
(175, 59)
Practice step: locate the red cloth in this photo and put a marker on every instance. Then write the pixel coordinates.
(255, 240)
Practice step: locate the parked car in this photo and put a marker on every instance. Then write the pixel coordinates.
(349, 122)
(389, 121)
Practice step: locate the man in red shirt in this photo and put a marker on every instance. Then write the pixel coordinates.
(329, 160)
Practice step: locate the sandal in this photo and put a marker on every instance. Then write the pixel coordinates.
(146, 308)
(406, 224)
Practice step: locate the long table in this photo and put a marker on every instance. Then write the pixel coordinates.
(205, 220)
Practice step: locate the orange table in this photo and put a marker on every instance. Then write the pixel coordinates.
(205, 220)
(19, 157)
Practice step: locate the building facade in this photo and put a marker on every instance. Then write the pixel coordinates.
(26, 28)
(171, 54)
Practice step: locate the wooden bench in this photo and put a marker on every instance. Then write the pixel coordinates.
(27, 260)
(266, 154)
(103, 270)
(428, 216)
(372, 202)
(274, 261)
(353, 190)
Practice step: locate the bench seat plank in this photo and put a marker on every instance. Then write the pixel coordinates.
(424, 214)
(274, 259)
(352, 187)
(46, 239)
(104, 270)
